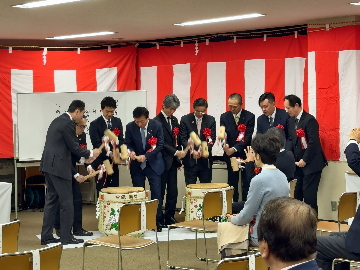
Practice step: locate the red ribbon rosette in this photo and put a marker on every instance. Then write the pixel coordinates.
(241, 137)
(116, 132)
(176, 132)
(301, 134)
(152, 141)
(257, 170)
(280, 126)
(83, 146)
(207, 134)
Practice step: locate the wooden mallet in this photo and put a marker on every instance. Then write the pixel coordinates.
(221, 134)
(195, 138)
(124, 152)
(205, 149)
(108, 168)
(234, 164)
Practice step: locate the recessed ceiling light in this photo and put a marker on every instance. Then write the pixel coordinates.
(355, 3)
(44, 3)
(83, 35)
(223, 19)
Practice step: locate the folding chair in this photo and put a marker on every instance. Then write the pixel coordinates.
(292, 185)
(47, 258)
(132, 217)
(354, 264)
(242, 263)
(346, 210)
(16, 261)
(9, 236)
(215, 203)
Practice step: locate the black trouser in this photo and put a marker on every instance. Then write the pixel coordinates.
(233, 180)
(169, 183)
(204, 173)
(307, 187)
(331, 247)
(59, 195)
(77, 202)
(108, 180)
(237, 207)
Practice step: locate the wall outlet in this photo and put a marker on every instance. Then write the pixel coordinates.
(333, 205)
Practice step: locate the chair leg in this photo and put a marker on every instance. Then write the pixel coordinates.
(83, 264)
(158, 250)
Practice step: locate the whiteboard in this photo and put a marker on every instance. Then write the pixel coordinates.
(35, 112)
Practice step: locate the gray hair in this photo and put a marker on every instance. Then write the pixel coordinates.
(171, 101)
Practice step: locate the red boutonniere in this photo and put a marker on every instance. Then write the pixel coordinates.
(257, 170)
(207, 134)
(116, 131)
(176, 132)
(152, 141)
(280, 126)
(301, 134)
(241, 137)
(83, 146)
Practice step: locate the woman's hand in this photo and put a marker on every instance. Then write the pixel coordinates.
(250, 156)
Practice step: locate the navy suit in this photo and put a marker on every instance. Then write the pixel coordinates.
(169, 176)
(154, 161)
(281, 118)
(311, 265)
(342, 244)
(248, 119)
(308, 177)
(202, 167)
(96, 132)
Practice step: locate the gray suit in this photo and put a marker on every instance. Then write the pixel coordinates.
(57, 167)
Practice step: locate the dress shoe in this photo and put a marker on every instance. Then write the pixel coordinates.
(49, 241)
(159, 226)
(73, 241)
(82, 232)
(170, 221)
(57, 232)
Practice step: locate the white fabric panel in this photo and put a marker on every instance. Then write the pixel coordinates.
(294, 76)
(181, 88)
(254, 85)
(5, 202)
(149, 83)
(349, 95)
(216, 96)
(65, 81)
(22, 81)
(312, 83)
(106, 79)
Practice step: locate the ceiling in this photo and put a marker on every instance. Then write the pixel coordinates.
(139, 20)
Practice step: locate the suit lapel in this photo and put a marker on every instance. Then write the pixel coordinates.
(193, 123)
(165, 122)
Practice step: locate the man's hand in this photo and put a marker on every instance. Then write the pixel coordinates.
(80, 179)
(229, 151)
(132, 155)
(301, 163)
(229, 217)
(250, 156)
(96, 152)
(196, 154)
(180, 154)
(355, 134)
(180, 168)
(141, 158)
(89, 160)
(90, 169)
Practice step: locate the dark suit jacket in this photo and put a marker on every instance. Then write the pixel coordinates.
(313, 155)
(134, 143)
(311, 265)
(96, 132)
(187, 125)
(169, 148)
(248, 119)
(60, 142)
(281, 118)
(74, 158)
(352, 239)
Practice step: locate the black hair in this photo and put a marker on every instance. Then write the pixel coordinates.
(267, 147)
(108, 102)
(140, 111)
(293, 100)
(76, 105)
(200, 102)
(267, 95)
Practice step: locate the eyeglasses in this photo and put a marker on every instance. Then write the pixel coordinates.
(199, 112)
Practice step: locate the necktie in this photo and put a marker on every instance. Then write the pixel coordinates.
(271, 121)
(236, 119)
(169, 122)
(198, 124)
(143, 140)
(109, 125)
(296, 122)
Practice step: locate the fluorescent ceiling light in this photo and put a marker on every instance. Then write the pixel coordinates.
(83, 35)
(223, 19)
(355, 3)
(44, 3)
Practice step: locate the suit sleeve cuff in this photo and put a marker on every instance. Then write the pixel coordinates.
(82, 160)
(234, 149)
(76, 175)
(91, 153)
(175, 153)
(351, 141)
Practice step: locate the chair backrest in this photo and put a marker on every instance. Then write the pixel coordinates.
(260, 264)
(9, 237)
(49, 257)
(32, 171)
(213, 203)
(242, 263)
(347, 206)
(16, 261)
(130, 216)
(292, 185)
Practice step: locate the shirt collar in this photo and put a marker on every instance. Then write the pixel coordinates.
(300, 114)
(292, 266)
(198, 118)
(273, 115)
(238, 114)
(106, 120)
(146, 127)
(69, 115)
(164, 114)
